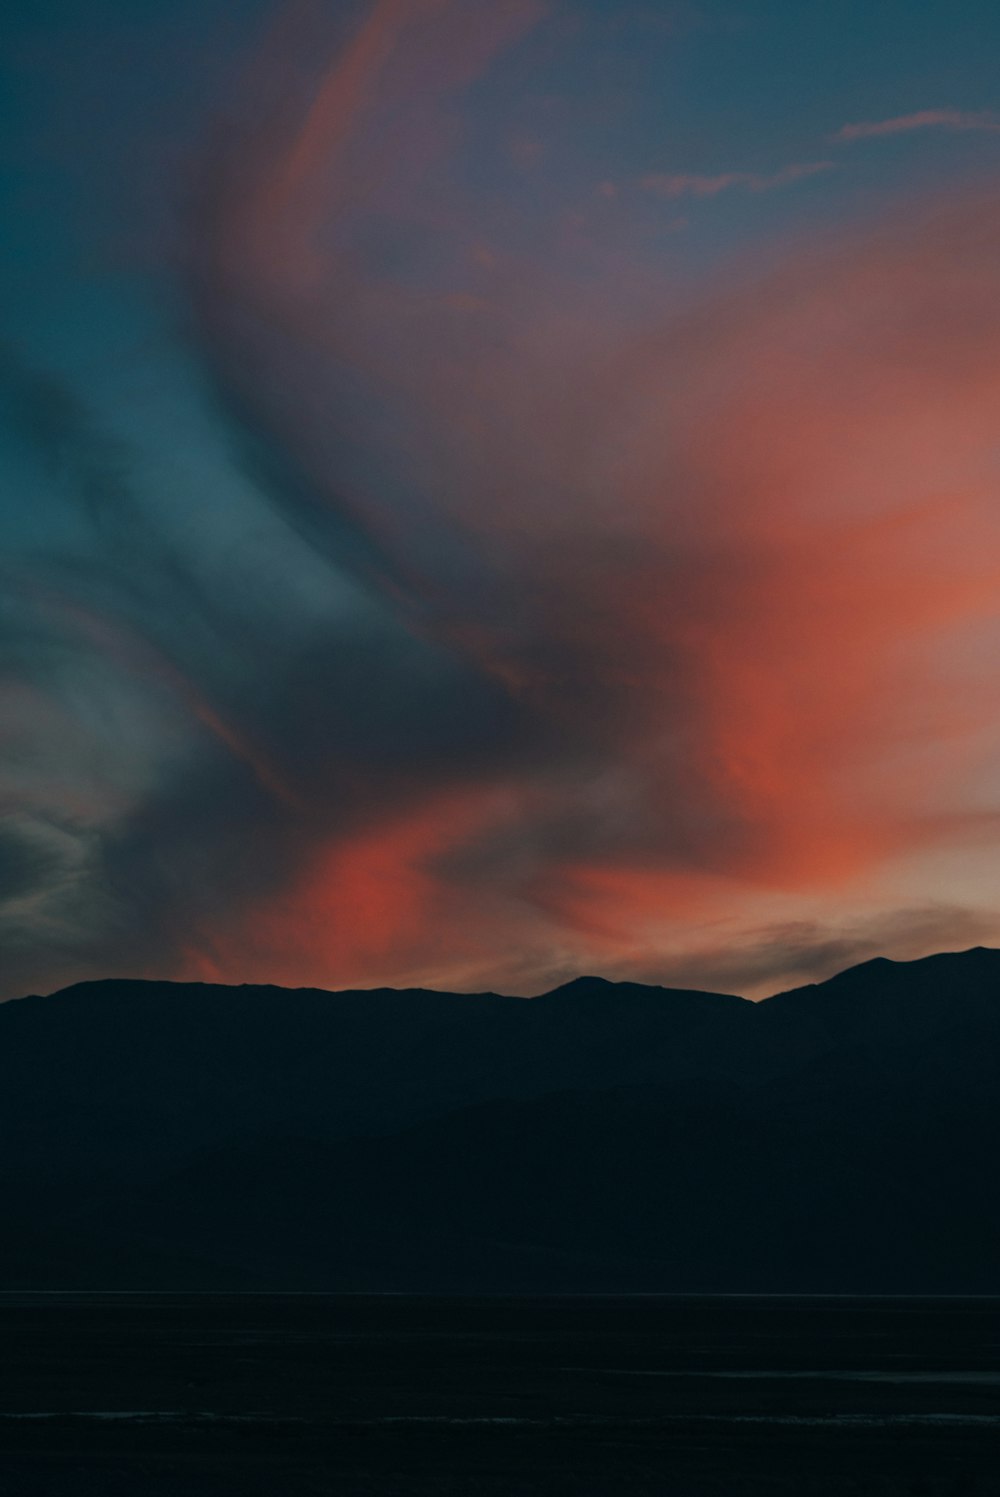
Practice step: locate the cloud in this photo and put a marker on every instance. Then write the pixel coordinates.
(711, 568)
(924, 119)
(686, 184)
(557, 610)
(757, 963)
(175, 744)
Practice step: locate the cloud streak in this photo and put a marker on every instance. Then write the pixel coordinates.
(688, 184)
(924, 119)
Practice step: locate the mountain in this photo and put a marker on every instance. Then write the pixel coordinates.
(605, 1136)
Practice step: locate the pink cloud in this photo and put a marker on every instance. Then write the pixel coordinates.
(735, 572)
(689, 184)
(924, 119)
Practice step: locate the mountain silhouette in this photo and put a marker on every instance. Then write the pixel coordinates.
(841, 1137)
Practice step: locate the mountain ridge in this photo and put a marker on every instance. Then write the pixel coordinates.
(839, 1137)
(580, 982)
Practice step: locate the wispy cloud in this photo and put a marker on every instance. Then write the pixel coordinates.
(689, 184)
(550, 619)
(923, 119)
(757, 963)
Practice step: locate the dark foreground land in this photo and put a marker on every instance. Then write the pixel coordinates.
(262, 1396)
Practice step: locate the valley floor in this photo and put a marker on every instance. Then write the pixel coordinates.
(285, 1395)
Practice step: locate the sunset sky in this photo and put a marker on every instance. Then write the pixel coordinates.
(495, 489)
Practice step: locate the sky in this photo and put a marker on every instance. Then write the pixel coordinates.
(492, 490)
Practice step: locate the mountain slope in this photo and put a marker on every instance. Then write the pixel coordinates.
(604, 1136)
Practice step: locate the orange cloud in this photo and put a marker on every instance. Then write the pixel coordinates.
(737, 571)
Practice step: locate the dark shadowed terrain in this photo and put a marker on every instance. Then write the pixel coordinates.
(602, 1138)
(213, 1396)
(628, 1233)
